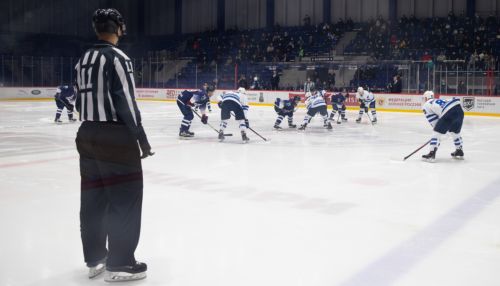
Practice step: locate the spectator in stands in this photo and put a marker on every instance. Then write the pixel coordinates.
(256, 83)
(462, 88)
(396, 85)
(331, 79)
(275, 80)
(441, 57)
(308, 85)
(443, 86)
(301, 53)
(307, 20)
(243, 82)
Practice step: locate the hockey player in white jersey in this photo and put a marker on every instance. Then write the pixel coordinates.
(444, 116)
(237, 103)
(316, 104)
(366, 101)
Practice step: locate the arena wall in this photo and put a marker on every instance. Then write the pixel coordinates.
(473, 105)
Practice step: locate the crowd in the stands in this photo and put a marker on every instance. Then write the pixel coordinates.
(452, 39)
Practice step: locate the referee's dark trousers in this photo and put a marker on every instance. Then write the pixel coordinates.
(111, 192)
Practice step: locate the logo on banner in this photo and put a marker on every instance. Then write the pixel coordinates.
(36, 92)
(380, 102)
(468, 103)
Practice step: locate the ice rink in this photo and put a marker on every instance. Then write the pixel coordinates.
(313, 208)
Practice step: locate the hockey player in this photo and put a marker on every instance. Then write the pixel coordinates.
(366, 100)
(235, 102)
(338, 105)
(444, 116)
(189, 99)
(206, 87)
(316, 104)
(285, 108)
(64, 97)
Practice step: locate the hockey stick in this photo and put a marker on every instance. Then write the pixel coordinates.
(228, 134)
(257, 134)
(416, 150)
(252, 129)
(192, 109)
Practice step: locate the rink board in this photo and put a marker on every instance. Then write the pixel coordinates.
(473, 105)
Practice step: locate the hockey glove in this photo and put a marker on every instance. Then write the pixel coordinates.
(219, 104)
(204, 119)
(247, 123)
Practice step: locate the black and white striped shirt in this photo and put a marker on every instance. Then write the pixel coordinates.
(106, 87)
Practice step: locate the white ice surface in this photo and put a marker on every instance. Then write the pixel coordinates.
(307, 208)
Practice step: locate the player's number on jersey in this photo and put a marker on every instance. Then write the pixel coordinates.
(440, 102)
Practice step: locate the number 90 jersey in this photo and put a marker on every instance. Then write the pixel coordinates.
(436, 108)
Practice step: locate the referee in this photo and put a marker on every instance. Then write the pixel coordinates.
(108, 142)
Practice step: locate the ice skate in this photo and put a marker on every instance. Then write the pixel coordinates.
(358, 120)
(71, 120)
(431, 157)
(277, 127)
(329, 126)
(458, 154)
(374, 121)
(291, 125)
(221, 135)
(58, 121)
(303, 127)
(344, 119)
(186, 134)
(96, 268)
(126, 273)
(244, 137)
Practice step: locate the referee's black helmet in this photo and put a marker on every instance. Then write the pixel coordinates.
(108, 21)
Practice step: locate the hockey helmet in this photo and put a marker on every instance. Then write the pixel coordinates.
(242, 90)
(360, 90)
(210, 89)
(108, 21)
(308, 94)
(296, 99)
(429, 94)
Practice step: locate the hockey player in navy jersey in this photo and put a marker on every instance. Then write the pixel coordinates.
(338, 105)
(366, 102)
(316, 104)
(64, 97)
(234, 103)
(186, 101)
(444, 116)
(206, 87)
(285, 108)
